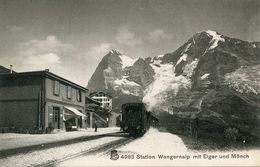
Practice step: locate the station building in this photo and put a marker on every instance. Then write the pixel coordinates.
(40, 100)
(103, 98)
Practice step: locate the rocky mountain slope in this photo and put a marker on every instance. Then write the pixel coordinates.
(190, 81)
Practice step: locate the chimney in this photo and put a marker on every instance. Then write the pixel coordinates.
(11, 69)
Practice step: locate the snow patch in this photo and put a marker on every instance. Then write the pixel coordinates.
(126, 91)
(215, 39)
(189, 68)
(124, 81)
(156, 61)
(126, 61)
(113, 51)
(184, 55)
(204, 76)
(165, 85)
(127, 87)
(187, 48)
(149, 143)
(182, 58)
(159, 56)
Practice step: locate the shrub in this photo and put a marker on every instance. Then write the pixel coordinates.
(231, 134)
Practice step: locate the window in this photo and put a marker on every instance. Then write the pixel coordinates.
(69, 89)
(56, 88)
(78, 95)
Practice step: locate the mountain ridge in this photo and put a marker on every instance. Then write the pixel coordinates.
(207, 55)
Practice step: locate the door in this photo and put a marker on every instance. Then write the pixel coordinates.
(56, 117)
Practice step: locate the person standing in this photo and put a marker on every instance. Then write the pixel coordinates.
(107, 121)
(95, 125)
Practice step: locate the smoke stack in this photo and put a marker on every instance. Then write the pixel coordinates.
(11, 69)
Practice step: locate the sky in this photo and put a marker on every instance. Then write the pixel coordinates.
(70, 37)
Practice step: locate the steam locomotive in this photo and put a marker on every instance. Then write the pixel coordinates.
(136, 120)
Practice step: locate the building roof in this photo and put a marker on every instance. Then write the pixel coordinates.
(98, 93)
(4, 70)
(92, 100)
(44, 73)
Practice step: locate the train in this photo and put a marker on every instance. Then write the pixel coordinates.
(136, 120)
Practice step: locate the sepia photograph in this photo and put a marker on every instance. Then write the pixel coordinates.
(129, 83)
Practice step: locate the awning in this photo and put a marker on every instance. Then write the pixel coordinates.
(70, 112)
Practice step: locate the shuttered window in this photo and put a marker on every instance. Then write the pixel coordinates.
(79, 96)
(69, 89)
(56, 89)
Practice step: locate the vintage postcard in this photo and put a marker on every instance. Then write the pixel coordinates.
(129, 83)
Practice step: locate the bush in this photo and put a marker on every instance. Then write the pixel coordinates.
(231, 134)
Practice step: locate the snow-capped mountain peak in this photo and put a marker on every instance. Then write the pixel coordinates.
(114, 51)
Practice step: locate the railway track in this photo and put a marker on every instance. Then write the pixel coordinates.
(104, 148)
(37, 147)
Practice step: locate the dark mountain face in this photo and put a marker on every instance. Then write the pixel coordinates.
(106, 72)
(141, 73)
(208, 66)
(97, 81)
(227, 56)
